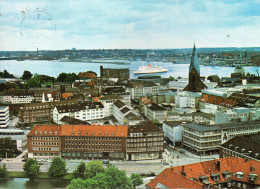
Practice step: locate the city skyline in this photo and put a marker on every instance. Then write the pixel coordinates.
(97, 24)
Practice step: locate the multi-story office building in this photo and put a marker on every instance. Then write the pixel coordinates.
(144, 141)
(4, 116)
(173, 131)
(187, 99)
(204, 139)
(78, 142)
(82, 111)
(120, 73)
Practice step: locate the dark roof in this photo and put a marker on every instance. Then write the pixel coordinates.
(73, 121)
(125, 110)
(141, 84)
(80, 106)
(109, 97)
(119, 104)
(199, 127)
(144, 127)
(243, 144)
(154, 106)
(174, 123)
(132, 116)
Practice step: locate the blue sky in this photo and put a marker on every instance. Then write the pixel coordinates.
(142, 24)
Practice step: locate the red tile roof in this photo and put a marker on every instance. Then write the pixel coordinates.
(195, 170)
(95, 130)
(217, 100)
(45, 130)
(67, 95)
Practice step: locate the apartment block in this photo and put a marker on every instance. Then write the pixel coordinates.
(4, 116)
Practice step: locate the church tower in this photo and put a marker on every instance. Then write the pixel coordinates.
(195, 84)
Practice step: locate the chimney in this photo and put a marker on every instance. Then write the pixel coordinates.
(218, 165)
(101, 71)
(183, 171)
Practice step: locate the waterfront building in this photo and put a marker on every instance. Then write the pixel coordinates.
(82, 111)
(120, 73)
(228, 172)
(195, 84)
(144, 141)
(205, 139)
(246, 146)
(4, 116)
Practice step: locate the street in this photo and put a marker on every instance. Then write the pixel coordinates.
(170, 158)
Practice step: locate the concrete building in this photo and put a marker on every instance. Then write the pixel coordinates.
(187, 99)
(206, 139)
(4, 116)
(155, 112)
(173, 131)
(142, 88)
(18, 137)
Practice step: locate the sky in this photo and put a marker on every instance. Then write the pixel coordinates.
(128, 24)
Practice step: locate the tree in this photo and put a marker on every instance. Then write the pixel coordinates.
(3, 171)
(93, 168)
(80, 170)
(136, 179)
(62, 77)
(57, 168)
(71, 77)
(31, 167)
(34, 170)
(27, 75)
(77, 183)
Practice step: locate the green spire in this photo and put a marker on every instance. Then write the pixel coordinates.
(194, 60)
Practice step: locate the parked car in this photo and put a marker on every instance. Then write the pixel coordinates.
(182, 151)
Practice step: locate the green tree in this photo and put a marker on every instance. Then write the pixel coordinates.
(27, 75)
(136, 179)
(3, 171)
(62, 77)
(71, 77)
(57, 168)
(171, 78)
(77, 183)
(30, 167)
(34, 170)
(80, 170)
(93, 168)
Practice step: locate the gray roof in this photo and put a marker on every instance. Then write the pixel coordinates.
(174, 123)
(125, 110)
(80, 106)
(3, 107)
(199, 127)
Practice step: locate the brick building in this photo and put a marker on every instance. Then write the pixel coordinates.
(78, 142)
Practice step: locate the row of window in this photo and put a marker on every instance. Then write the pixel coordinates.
(46, 148)
(45, 138)
(93, 138)
(93, 143)
(46, 143)
(93, 147)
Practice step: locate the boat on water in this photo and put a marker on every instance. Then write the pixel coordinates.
(149, 69)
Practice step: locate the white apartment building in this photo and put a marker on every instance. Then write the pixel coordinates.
(17, 99)
(4, 116)
(83, 111)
